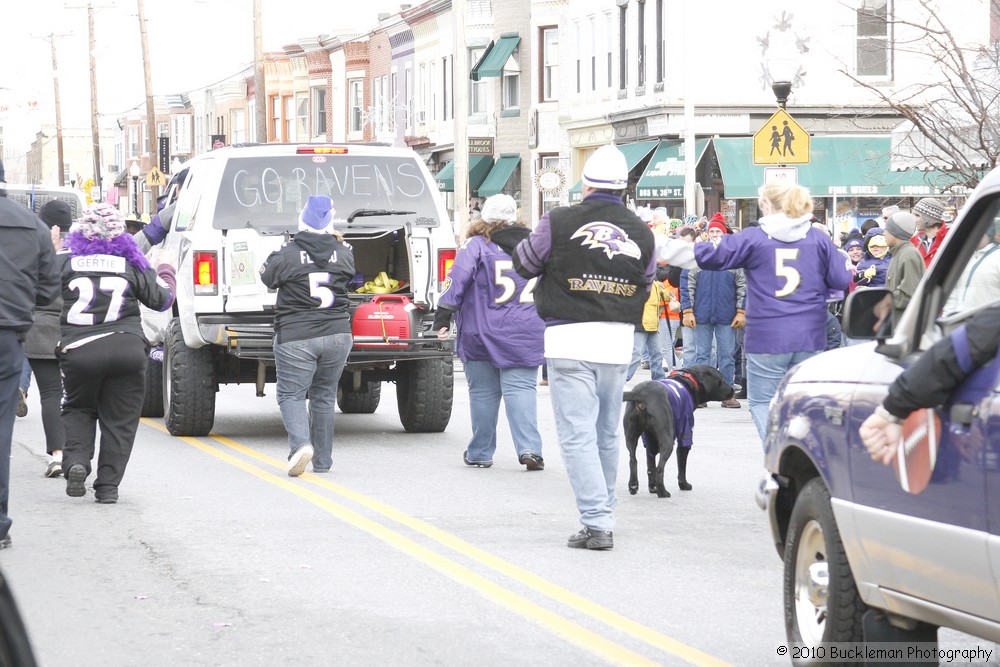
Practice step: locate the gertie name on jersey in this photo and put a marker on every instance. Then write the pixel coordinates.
(99, 263)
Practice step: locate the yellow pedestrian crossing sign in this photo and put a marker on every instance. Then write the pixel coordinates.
(155, 178)
(781, 141)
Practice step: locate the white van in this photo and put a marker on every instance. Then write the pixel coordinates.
(36, 196)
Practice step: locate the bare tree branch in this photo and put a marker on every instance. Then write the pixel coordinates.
(955, 109)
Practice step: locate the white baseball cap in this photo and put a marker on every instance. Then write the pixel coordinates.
(606, 169)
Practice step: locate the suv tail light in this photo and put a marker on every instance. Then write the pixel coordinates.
(445, 259)
(206, 273)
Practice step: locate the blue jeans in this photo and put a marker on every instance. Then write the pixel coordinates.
(725, 346)
(764, 374)
(587, 402)
(311, 367)
(688, 354)
(487, 384)
(668, 330)
(25, 382)
(648, 341)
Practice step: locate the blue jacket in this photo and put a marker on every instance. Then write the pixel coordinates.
(715, 295)
(881, 264)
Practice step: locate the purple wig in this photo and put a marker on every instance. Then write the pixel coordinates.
(120, 246)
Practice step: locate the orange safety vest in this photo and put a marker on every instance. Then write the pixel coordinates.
(665, 311)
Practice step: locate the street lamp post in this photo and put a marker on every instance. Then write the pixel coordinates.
(782, 90)
(134, 172)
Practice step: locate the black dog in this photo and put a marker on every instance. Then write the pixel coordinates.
(660, 413)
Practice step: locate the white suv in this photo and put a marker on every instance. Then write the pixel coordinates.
(237, 205)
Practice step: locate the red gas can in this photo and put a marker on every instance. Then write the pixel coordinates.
(384, 322)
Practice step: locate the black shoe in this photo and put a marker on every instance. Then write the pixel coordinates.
(531, 461)
(588, 538)
(106, 496)
(75, 477)
(478, 464)
(5, 542)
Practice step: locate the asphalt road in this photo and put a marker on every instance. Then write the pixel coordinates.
(402, 555)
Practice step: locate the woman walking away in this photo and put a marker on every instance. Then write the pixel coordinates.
(102, 351)
(40, 347)
(312, 330)
(499, 334)
(790, 268)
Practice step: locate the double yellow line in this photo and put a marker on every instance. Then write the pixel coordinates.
(570, 631)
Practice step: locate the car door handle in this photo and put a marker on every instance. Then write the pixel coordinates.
(962, 413)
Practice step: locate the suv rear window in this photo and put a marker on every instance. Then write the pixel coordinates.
(268, 192)
(35, 199)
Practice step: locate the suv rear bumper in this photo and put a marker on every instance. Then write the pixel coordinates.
(251, 336)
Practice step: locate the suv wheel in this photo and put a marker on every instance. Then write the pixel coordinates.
(364, 401)
(188, 385)
(152, 402)
(821, 599)
(424, 390)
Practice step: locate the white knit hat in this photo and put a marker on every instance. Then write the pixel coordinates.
(317, 215)
(606, 169)
(499, 208)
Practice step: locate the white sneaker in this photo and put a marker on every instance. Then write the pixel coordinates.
(299, 459)
(22, 405)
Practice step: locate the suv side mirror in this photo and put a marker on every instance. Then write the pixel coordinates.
(868, 314)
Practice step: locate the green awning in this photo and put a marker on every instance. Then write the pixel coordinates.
(495, 57)
(499, 175)
(634, 154)
(855, 166)
(664, 175)
(479, 166)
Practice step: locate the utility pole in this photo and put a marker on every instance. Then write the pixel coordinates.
(150, 110)
(59, 136)
(260, 99)
(460, 88)
(95, 132)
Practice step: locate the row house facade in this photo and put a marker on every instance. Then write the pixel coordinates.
(550, 81)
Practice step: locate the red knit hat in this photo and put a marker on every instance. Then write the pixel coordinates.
(719, 222)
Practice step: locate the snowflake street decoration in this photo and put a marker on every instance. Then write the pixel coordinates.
(381, 121)
(783, 42)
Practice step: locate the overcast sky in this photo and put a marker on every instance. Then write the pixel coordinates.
(192, 43)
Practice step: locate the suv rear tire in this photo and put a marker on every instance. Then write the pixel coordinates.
(152, 402)
(813, 545)
(424, 390)
(364, 401)
(189, 385)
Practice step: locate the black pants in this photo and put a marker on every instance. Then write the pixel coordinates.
(11, 362)
(104, 382)
(49, 383)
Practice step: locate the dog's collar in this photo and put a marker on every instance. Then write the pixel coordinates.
(687, 376)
